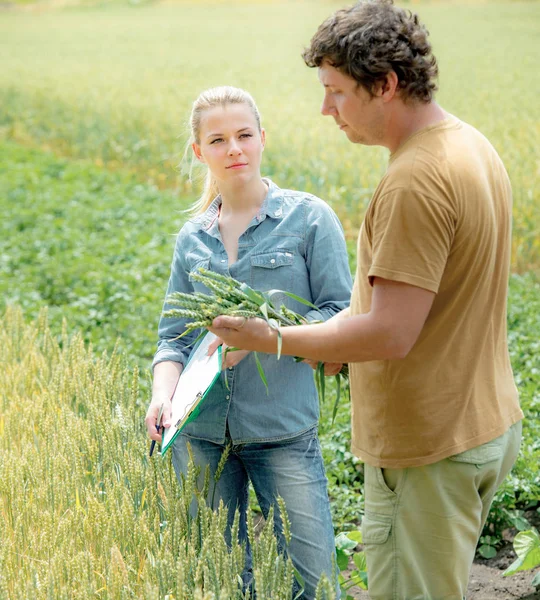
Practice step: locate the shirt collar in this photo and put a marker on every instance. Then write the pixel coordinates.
(272, 207)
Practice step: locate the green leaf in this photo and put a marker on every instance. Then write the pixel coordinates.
(536, 580)
(338, 395)
(279, 343)
(294, 297)
(487, 551)
(261, 371)
(256, 297)
(527, 548)
(342, 559)
(355, 536)
(344, 542)
(360, 578)
(320, 377)
(264, 309)
(359, 559)
(300, 581)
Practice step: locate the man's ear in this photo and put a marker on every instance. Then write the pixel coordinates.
(387, 88)
(197, 151)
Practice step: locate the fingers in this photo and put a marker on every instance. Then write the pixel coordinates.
(214, 346)
(225, 322)
(332, 368)
(151, 419)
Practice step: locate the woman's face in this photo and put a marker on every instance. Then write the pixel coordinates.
(231, 144)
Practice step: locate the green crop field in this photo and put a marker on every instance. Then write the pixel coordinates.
(94, 102)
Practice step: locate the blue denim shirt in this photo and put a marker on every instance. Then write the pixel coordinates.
(296, 244)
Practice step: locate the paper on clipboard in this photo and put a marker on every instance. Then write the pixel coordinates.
(196, 380)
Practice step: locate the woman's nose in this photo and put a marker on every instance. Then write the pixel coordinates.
(234, 149)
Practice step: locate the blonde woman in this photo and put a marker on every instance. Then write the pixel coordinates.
(247, 227)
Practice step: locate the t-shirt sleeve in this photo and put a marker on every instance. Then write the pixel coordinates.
(411, 235)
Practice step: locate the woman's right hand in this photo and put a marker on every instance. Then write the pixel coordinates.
(152, 415)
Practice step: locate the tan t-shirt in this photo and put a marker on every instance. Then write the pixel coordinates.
(440, 220)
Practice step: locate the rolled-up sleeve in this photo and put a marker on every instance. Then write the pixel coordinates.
(169, 346)
(327, 262)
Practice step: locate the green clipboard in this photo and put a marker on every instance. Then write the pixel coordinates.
(197, 379)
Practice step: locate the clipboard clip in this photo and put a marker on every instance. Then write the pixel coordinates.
(197, 398)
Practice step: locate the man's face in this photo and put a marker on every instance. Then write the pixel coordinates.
(357, 113)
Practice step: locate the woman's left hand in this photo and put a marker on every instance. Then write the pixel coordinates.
(329, 368)
(231, 358)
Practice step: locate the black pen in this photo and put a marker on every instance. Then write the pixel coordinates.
(160, 414)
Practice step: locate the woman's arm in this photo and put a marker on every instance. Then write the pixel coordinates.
(326, 261)
(166, 375)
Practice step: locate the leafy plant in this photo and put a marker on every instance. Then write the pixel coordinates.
(527, 548)
(346, 543)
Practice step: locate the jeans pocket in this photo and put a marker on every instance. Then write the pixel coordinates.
(480, 455)
(375, 528)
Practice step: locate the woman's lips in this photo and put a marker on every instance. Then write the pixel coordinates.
(237, 166)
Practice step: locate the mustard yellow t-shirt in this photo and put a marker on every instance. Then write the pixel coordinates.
(441, 220)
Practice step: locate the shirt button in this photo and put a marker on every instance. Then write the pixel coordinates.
(230, 368)
(223, 260)
(273, 261)
(227, 397)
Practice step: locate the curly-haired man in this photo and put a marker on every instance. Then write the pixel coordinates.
(435, 411)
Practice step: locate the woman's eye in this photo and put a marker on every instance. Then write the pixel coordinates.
(216, 140)
(246, 135)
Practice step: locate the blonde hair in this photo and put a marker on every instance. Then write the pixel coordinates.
(218, 96)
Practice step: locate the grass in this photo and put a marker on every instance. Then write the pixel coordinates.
(114, 85)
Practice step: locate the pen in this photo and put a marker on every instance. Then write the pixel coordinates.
(160, 414)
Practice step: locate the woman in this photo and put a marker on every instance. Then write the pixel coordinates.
(247, 227)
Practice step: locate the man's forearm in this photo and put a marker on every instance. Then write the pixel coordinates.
(352, 339)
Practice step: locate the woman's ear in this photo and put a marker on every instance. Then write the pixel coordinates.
(263, 137)
(197, 151)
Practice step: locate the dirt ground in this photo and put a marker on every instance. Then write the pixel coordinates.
(487, 582)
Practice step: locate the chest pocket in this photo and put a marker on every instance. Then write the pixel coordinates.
(272, 270)
(194, 267)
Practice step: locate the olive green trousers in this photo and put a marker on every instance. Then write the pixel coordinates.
(422, 524)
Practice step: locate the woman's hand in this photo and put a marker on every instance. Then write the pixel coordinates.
(152, 415)
(329, 368)
(231, 358)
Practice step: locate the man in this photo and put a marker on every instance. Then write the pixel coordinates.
(435, 411)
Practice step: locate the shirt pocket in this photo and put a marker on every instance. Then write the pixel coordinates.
(193, 267)
(272, 270)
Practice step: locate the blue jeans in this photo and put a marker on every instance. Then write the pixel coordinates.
(292, 469)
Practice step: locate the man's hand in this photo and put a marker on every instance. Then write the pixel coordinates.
(152, 415)
(249, 334)
(231, 358)
(329, 368)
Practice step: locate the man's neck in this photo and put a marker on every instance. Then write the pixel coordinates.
(408, 119)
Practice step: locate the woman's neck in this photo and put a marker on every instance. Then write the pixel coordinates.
(247, 198)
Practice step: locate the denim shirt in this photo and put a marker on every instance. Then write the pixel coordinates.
(295, 244)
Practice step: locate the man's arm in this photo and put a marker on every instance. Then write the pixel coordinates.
(388, 331)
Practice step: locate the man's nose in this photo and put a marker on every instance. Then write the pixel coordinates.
(327, 108)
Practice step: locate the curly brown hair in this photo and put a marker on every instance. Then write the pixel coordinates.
(368, 40)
